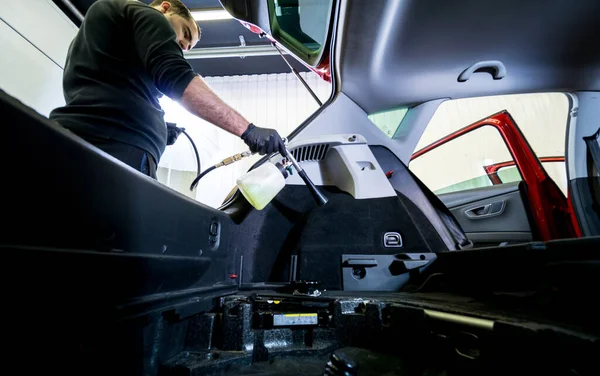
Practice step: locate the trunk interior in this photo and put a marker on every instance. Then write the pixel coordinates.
(149, 282)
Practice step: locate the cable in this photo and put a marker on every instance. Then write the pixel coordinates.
(30, 42)
(431, 276)
(224, 162)
(195, 150)
(200, 176)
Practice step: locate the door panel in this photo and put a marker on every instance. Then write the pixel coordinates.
(454, 199)
(491, 215)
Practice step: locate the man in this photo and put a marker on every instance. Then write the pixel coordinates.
(124, 57)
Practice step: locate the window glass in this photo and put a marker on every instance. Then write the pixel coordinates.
(459, 164)
(509, 174)
(302, 23)
(556, 171)
(389, 121)
(542, 118)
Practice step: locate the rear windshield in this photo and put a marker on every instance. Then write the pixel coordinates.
(301, 25)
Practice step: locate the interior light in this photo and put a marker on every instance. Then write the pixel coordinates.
(211, 15)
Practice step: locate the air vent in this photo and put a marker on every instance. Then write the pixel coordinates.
(315, 152)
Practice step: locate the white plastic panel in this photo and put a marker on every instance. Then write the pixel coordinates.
(27, 74)
(43, 24)
(582, 123)
(349, 165)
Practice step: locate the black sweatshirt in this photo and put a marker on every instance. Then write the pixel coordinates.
(123, 57)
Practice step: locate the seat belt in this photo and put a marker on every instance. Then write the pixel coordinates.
(593, 146)
(455, 229)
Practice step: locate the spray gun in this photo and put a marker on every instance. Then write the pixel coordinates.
(261, 185)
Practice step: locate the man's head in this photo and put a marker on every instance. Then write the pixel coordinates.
(186, 28)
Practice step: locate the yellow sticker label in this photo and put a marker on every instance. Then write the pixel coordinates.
(300, 315)
(295, 319)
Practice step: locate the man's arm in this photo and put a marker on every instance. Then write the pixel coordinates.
(201, 101)
(162, 57)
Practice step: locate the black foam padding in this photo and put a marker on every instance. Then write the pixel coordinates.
(517, 267)
(547, 280)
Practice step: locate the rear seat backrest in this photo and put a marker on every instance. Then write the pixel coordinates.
(406, 183)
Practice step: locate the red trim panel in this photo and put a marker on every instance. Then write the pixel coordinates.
(492, 170)
(497, 166)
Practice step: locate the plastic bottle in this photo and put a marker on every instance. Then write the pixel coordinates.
(262, 184)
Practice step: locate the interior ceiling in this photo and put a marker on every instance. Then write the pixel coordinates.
(403, 52)
(222, 33)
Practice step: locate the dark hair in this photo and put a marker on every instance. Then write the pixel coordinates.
(177, 7)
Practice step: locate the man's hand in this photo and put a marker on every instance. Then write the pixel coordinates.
(173, 132)
(263, 140)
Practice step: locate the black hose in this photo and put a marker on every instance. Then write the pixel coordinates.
(195, 151)
(200, 176)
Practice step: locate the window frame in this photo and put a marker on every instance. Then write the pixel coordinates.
(493, 169)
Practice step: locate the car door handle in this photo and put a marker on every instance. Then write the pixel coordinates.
(487, 210)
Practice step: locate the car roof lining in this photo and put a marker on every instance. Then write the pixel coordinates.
(404, 52)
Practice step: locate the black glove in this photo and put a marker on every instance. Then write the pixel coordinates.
(173, 132)
(263, 140)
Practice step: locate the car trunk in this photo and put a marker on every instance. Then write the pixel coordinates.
(109, 272)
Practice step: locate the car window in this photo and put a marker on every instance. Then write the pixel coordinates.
(460, 163)
(556, 171)
(508, 174)
(301, 25)
(389, 121)
(542, 118)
